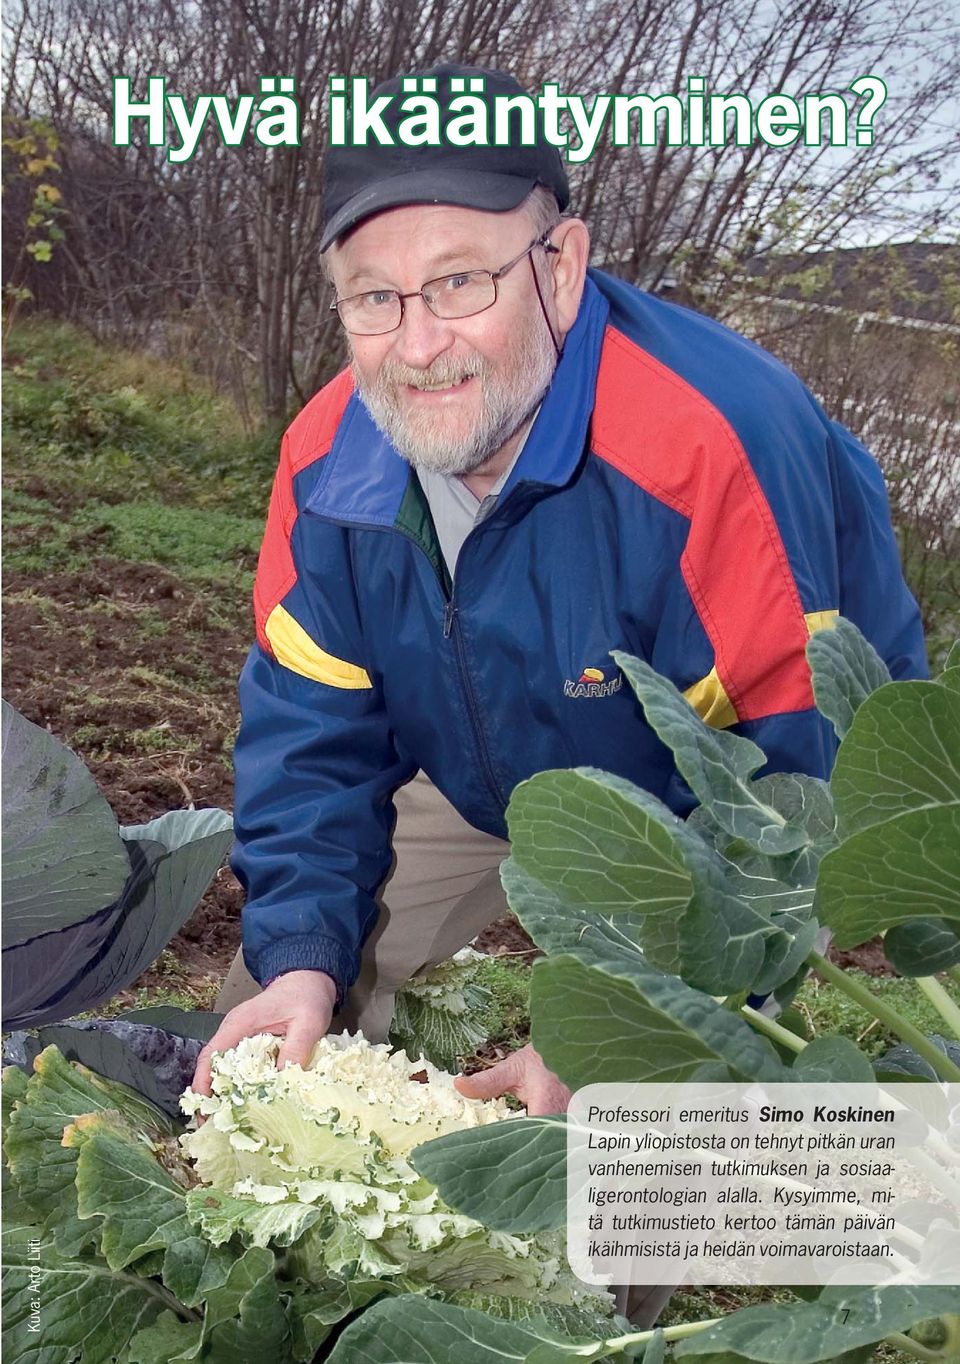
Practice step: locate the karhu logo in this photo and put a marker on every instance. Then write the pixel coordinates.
(591, 683)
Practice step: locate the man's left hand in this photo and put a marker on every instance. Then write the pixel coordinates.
(522, 1074)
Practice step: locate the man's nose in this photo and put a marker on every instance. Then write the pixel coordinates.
(421, 336)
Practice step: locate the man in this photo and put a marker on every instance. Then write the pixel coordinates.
(525, 467)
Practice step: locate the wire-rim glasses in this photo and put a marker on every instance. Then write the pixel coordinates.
(464, 294)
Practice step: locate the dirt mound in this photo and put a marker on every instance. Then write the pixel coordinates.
(136, 670)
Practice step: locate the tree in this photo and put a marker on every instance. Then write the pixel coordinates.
(220, 254)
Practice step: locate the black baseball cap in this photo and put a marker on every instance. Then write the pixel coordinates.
(362, 181)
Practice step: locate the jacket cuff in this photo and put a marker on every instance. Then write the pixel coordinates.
(305, 952)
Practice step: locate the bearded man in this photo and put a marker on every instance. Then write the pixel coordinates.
(526, 465)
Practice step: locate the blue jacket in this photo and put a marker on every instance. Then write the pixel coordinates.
(681, 496)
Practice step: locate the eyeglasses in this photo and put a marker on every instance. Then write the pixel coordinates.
(461, 295)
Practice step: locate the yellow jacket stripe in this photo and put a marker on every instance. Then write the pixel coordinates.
(293, 647)
(708, 696)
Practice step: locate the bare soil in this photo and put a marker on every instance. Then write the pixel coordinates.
(867, 957)
(132, 668)
(505, 938)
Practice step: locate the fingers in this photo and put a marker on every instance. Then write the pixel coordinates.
(522, 1074)
(309, 1021)
(200, 1084)
(298, 1006)
(235, 1025)
(490, 1084)
(303, 1034)
(544, 1092)
(547, 1095)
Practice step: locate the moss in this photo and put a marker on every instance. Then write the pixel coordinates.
(508, 1017)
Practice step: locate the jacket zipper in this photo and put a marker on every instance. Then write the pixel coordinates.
(450, 626)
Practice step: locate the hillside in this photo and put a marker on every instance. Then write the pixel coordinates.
(134, 505)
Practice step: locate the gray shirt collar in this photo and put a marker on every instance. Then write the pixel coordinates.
(455, 509)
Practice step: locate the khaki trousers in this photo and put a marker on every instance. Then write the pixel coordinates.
(442, 890)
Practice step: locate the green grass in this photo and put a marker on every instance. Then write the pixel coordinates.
(159, 739)
(936, 585)
(116, 462)
(180, 988)
(116, 458)
(88, 417)
(201, 995)
(202, 545)
(827, 1010)
(37, 539)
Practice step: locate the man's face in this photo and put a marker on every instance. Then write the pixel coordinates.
(448, 392)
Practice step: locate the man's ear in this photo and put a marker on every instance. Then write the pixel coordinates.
(569, 268)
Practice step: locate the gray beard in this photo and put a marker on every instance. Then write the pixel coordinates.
(509, 399)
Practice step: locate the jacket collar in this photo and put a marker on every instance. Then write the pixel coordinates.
(363, 478)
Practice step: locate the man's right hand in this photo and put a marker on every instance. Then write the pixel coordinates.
(297, 1006)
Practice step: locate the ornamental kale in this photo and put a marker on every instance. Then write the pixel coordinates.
(319, 1157)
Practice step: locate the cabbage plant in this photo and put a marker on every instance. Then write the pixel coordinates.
(87, 905)
(292, 1207)
(441, 1012)
(657, 933)
(322, 1154)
